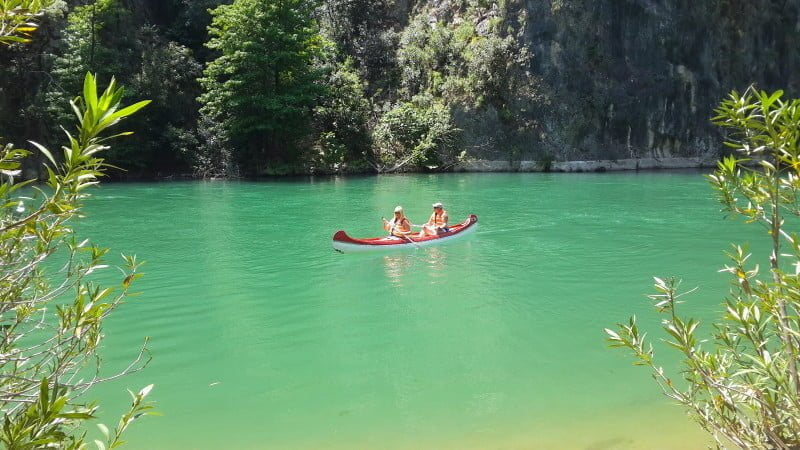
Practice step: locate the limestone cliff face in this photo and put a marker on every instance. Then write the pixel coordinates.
(640, 78)
(618, 78)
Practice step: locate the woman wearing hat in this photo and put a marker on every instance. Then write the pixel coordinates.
(437, 224)
(399, 225)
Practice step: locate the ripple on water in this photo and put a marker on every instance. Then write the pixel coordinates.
(490, 341)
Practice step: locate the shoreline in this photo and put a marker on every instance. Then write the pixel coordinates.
(602, 165)
(474, 166)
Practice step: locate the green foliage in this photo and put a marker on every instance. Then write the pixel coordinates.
(342, 123)
(186, 22)
(423, 55)
(104, 37)
(363, 30)
(745, 390)
(168, 74)
(466, 61)
(263, 85)
(421, 133)
(274, 92)
(97, 39)
(24, 69)
(49, 338)
(91, 44)
(18, 19)
(467, 57)
(49, 341)
(214, 156)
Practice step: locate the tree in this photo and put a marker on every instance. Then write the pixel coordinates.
(191, 24)
(745, 391)
(51, 314)
(341, 121)
(105, 37)
(263, 85)
(168, 75)
(98, 38)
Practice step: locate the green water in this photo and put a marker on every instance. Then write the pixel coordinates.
(263, 336)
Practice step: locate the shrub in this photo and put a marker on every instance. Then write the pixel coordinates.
(51, 314)
(745, 389)
(420, 134)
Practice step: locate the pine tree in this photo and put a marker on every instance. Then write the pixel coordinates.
(263, 86)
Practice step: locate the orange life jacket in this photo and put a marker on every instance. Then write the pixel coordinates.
(402, 227)
(438, 219)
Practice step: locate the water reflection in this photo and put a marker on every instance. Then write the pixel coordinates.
(397, 266)
(436, 259)
(425, 263)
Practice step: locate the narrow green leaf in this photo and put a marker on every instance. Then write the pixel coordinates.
(146, 390)
(90, 92)
(103, 429)
(127, 111)
(45, 152)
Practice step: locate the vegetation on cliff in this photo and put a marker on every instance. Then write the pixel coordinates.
(398, 84)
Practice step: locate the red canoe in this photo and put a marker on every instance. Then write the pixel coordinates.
(344, 243)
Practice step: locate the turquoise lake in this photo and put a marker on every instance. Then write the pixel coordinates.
(263, 336)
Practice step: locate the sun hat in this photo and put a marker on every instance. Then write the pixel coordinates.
(437, 205)
(398, 209)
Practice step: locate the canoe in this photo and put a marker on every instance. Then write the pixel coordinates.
(344, 243)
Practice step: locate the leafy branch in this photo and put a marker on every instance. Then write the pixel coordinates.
(744, 391)
(47, 342)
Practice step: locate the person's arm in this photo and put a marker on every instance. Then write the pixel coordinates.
(445, 220)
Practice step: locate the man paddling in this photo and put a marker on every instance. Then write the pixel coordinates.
(437, 224)
(399, 225)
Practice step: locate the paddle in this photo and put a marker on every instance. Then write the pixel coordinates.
(411, 241)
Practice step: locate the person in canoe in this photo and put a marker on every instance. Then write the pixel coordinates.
(437, 224)
(399, 225)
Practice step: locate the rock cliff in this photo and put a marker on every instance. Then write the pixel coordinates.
(598, 79)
